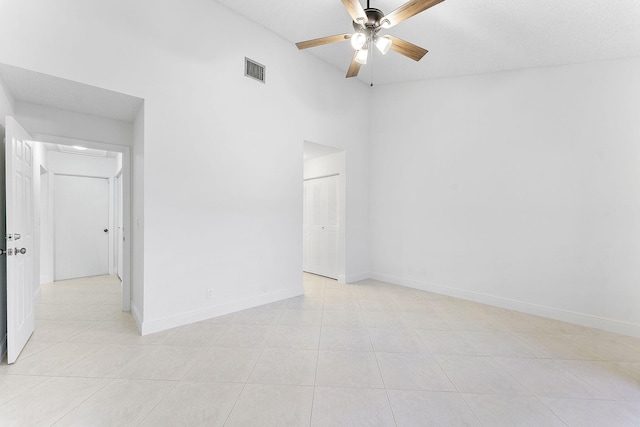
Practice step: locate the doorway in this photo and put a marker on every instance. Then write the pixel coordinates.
(324, 181)
(85, 207)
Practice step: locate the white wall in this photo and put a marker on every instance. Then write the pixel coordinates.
(7, 104)
(333, 164)
(211, 140)
(519, 189)
(39, 119)
(137, 226)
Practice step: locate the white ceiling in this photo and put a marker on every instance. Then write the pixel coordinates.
(464, 36)
(50, 91)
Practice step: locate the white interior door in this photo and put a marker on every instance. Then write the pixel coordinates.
(21, 270)
(81, 218)
(321, 226)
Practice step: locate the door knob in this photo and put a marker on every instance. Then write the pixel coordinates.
(106, 230)
(20, 251)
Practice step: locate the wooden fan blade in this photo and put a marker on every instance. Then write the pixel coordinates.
(355, 10)
(408, 10)
(322, 41)
(354, 67)
(407, 49)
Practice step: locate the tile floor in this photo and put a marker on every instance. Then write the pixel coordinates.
(369, 354)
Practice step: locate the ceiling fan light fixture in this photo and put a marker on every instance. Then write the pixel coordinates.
(358, 40)
(362, 56)
(383, 44)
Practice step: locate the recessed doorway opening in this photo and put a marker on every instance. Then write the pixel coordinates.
(324, 180)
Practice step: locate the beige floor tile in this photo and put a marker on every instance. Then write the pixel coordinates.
(340, 338)
(617, 380)
(412, 305)
(163, 363)
(545, 377)
(341, 304)
(224, 365)
(11, 386)
(351, 319)
(272, 405)
(603, 346)
(285, 366)
(250, 336)
(404, 371)
(396, 340)
(48, 401)
(374, 304)
(216, 370)
(194, 404)
(196, 335)
(97, 312)
(479, 374)
(428, 321)
(595, 413)
(558, 346)
(305, 303)
(427, 408)
(52, 360)
(447, 342)
(509, 411)
(301, 318)
(385, 319)
(120, 403)
(301, 337)
(108, 362)
(256, 316)
(343, 292)
(123, 331)
(32, 348)
(60, 330)
(502, 344)
(343, 407)
(348, 369)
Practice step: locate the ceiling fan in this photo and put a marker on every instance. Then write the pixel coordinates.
(367, 23)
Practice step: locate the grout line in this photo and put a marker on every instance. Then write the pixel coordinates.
(315, 377)
(159, 401)
(386, 392)
(253, 368)
(85, 400)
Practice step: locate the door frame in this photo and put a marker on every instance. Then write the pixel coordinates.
(118, 221)
(126, 201)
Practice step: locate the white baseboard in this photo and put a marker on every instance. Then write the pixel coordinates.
(3, 347)
(37, 294)
(357, 277)
(137, 316)
(582, 319)
(157, 325)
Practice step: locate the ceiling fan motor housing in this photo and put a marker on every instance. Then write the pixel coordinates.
(374, 17)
